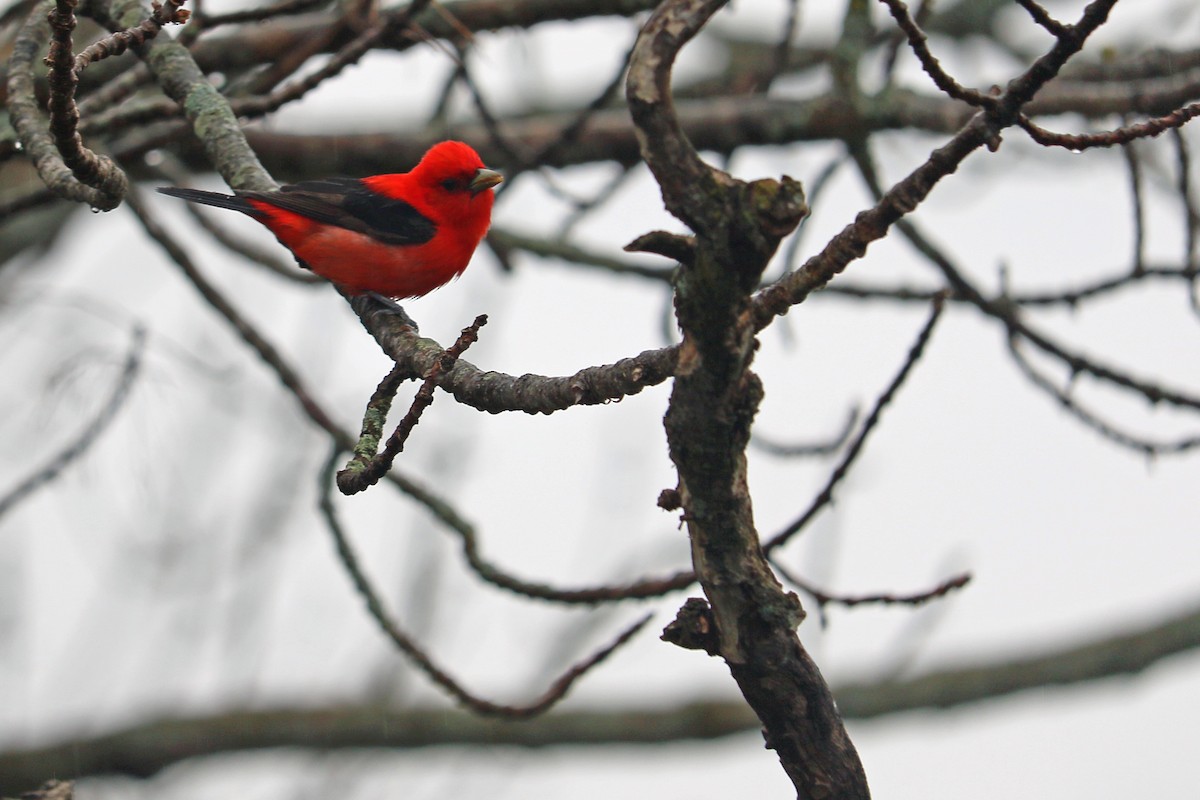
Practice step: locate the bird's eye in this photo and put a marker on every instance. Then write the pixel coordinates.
(452, 185)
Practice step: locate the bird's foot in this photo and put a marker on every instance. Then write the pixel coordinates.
(395, 309)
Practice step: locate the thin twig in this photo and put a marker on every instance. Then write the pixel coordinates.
(248, 333)
(892, 48)
(824, 598)
(503, 242)
(65, 68)
(1107, 430)
(601, 196)
(86, 438)
(349, 54)
(641, 589)
(1005, 311)
(168, 13)
(65, 166)
(367, 467)
(416, 654)
(1139, 212)
(782, 49)
(571, 132)
(919, 42)
(378, 408)
(1042, 17)
(1118, 136)
(511, 151)
(825, 496)
(1071, 297)
(907, 194)
(1191, 217)
(807, 449)
(269, 12)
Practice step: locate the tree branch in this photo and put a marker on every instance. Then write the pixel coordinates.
(496, 392)
(417, 656)
(65, 166)
(83, 442)
(714, 398)
(146, 748)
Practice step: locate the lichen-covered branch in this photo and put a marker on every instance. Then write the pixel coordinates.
(495, 392)
(68, 168)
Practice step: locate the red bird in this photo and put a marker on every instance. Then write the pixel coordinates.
(399, 236)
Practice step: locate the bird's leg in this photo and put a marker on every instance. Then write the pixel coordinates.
(395, 308)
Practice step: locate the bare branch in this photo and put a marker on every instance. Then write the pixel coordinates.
(207, 111)
(825, 598)
(1191, 218)
(1042, 17)
(347, 55)
(1134, 164)
(641, 589)
(370, 464)
(166, 13)
(83, 442)
(68, 168)
(1127, 652)
(505, 242)
(146, 748)
(825, 496)
(902, 198)
(919, 43)
(1070, 296)
(255, 45)
(1079, 364)
(1119, 136)
(1006, 311)
(267, 12)
(807, 449)
(661, 139)
(1108, 430)
(533, 394)
(415, 654)
(288, 376)
(714, 398)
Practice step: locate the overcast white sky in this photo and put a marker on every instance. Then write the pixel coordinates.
(158, 575)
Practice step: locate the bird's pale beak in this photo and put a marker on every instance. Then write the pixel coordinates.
(484, 179)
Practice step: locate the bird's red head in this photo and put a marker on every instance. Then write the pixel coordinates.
(451, 174)
(450, 186)
(447, 159)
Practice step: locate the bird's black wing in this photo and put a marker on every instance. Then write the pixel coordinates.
(349, 203)
(232, 202)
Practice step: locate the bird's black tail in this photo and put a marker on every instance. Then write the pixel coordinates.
(230, 201)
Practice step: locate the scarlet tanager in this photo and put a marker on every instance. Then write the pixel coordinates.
(400, 235)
